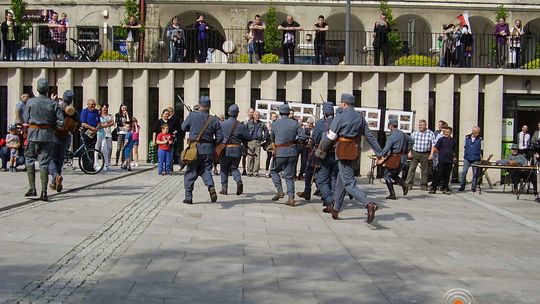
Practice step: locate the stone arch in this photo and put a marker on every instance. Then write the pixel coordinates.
(482, 30)
(335, 39)
(531, 40)
(187, 19)
(415, 33)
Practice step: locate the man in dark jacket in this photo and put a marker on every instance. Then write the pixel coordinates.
(472, 155)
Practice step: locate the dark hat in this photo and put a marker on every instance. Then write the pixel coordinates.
(514, 147)
(327, 108)
(234, 110)
(42, 85)
(347, 98)
(68, 97)
(205, 101)
(393, 122)
(284, 109)
(12, 127)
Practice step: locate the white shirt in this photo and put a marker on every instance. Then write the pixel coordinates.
(524, 140)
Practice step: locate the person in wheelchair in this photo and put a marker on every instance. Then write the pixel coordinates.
(517, 159)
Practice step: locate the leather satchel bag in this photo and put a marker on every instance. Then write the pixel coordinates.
(189, 154)
(347, 148)
(220, 149)
(393, 161)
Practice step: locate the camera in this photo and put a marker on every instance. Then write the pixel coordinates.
(535, 147)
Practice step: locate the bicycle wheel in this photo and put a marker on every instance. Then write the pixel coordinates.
(91, 161)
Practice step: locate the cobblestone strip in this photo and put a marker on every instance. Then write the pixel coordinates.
(72, 277)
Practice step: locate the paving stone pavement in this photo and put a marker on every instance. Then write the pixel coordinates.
(132, 241)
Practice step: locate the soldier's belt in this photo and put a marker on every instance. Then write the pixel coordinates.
(32, 126)
(284, 145)
(347, 139)
(233, 145)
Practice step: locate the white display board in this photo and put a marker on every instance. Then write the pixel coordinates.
(266, 108)
(303, 110)
(372, 116)
(405, 120)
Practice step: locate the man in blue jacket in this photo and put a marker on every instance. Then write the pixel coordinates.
(472, 155)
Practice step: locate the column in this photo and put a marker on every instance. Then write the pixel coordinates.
(90, 85)
(166, 89)
(493, 113)
(395, 86)
(65, 80)
(217, 91)
(115, 89)
(444, 98)
(14, 92)
(319, 87)
(243, 90)
(344, 83)
(41, 73)
(140, 109)
(269, 85)
(191, 88)
(420, 96)
(370, 90)
(468, 108)
(294, 86)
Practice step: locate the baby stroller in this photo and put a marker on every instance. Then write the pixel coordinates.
(90, 52)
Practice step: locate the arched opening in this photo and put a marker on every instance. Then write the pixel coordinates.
(530, 48)
(216, 34)
(415, 33)
(484, 41)
(335, 39)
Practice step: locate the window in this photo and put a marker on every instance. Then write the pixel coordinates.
(88, 35)
(103, 95)
(3, 111)
(306, 96)
(255, 95)
(229, 100)
(331, 96)
(431, 108)
(281, 95)
(128, 99)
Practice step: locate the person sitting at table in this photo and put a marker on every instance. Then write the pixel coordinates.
(516, 159)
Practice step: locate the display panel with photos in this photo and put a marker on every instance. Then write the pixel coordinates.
(405, 120)
(266, 108)
(303, 110)
(372, 116)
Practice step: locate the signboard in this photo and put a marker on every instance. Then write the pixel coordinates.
(266, 108)
(404, 119)
(37, 16)
(508, 129)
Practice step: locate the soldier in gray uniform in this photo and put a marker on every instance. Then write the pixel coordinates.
(284, 136)
(326, 176)
(194, 124)
(347, 128)
(43, 116)
(397, 144)
(235, 135)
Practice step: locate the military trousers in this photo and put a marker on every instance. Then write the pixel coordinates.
(346, 184)
(58, 153)
(229, 166)
(41, 149)
(287, 165)
(326, 178)
(202, 167)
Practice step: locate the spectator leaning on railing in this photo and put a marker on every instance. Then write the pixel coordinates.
(289, 28)
(10, 33)
(501, 35)
(258, 27)
(202, 29)
(132, 39)
(320, 29)
(58, 29)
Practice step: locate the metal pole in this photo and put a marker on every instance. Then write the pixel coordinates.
(348, 33)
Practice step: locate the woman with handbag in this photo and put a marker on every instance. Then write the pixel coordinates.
(121, 118)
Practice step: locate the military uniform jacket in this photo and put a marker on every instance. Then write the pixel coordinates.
(395, 143)
(287, 131)
(237, 138)
(43, 111)
(349, 123)
(212, 135)
(321, 127)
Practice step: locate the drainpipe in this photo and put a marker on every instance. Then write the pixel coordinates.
(142, 10)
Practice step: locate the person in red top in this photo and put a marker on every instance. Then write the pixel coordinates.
(164, 140)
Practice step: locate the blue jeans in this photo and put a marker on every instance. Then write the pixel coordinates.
(466, 165)
(251, 52)
(164, 161)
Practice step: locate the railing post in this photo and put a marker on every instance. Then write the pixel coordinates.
(348, 33)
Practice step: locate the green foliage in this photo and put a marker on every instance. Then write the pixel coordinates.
(270, 58)
(416, 60)
(272, 37)
(501, 13)
(132, 9)
(534, 64)
(112, 56)
(242, 58)
(395, 45)
(537, 51)
(18, 7)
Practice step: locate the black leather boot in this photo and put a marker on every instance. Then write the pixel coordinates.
(390, 187)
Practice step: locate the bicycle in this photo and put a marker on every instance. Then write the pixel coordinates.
(86, 155)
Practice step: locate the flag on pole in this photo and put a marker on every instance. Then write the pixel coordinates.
(464, 19)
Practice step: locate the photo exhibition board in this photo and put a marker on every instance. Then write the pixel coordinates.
(405, 120)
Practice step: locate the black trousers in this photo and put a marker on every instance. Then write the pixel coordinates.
(288, 53)
(320, 53)
(378, 47)
(10, 50)
(89, 142)
(442, 178)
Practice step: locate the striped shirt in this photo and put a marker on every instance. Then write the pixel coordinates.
(423, 141)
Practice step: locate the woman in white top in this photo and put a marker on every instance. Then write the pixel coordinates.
(104, 135)
(515, 44)
(121, 118)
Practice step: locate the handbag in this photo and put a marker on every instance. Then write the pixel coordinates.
(220, 149)
(189, 154)
(393, 161)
